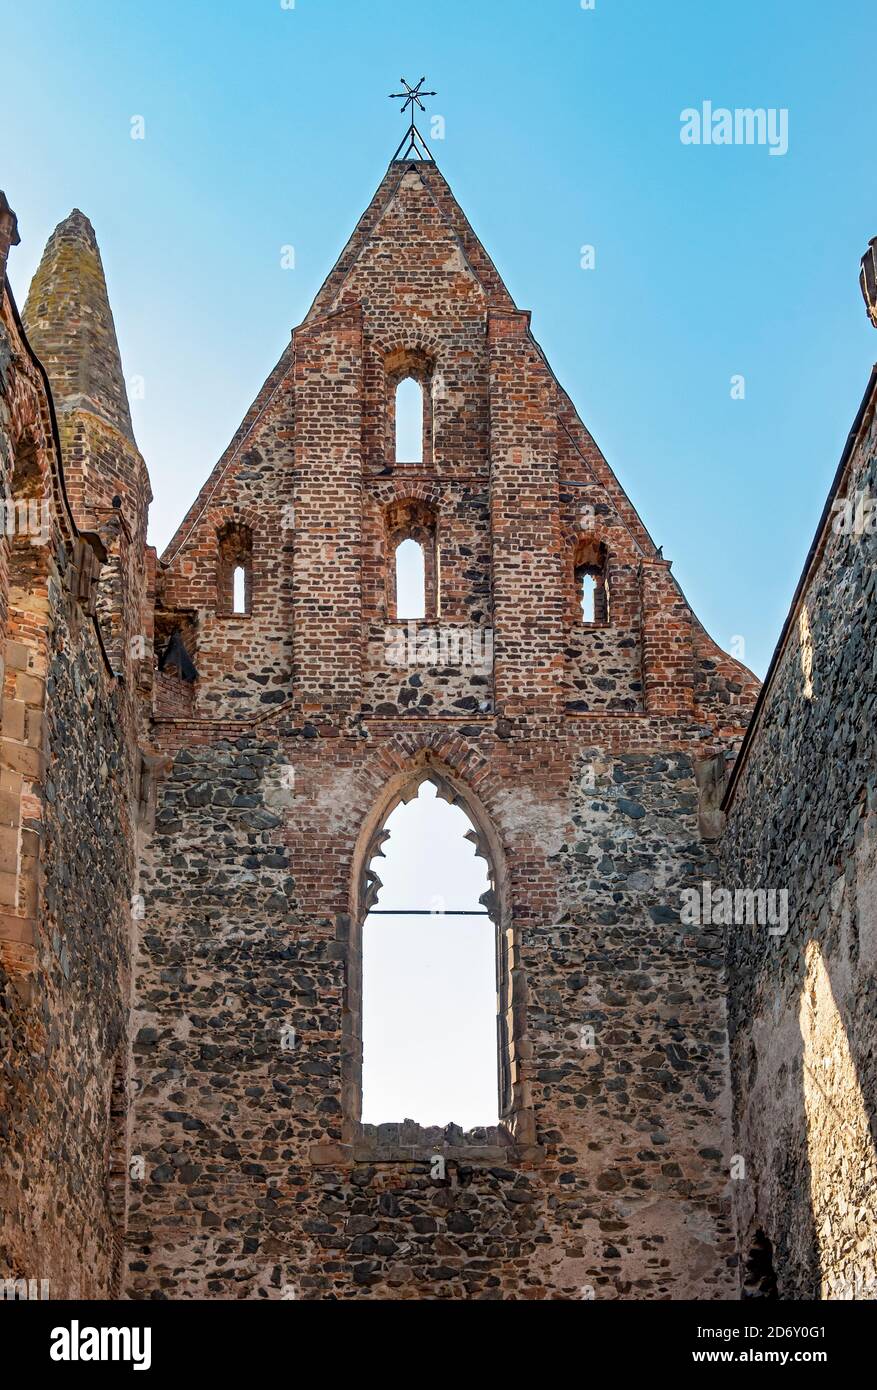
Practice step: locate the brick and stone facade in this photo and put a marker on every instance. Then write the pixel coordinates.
(573, 751)
(195, 789)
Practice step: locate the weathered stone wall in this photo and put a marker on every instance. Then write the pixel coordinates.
(254, 1180)
(64, 1026)
(802, 1005)
(68, 753)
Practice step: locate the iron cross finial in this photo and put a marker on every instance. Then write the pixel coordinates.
(413, 142)
(411, 96)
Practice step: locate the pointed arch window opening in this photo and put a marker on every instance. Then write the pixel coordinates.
(429, 975)
(234, 571)
(409, 420)
(412, 562)
(516, 1124)
(239, 590)
(409, 377)
(590, 572)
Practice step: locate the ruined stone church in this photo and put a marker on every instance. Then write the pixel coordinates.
(199, 755)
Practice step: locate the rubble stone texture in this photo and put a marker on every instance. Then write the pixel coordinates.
(803, 816)
(187, 862)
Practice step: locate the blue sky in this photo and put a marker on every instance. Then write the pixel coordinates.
(268, 127)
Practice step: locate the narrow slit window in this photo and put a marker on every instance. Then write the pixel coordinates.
(410, 581)
(234, 575)
(409, 421)
(239, 590)
(589, 593)
(591, 582)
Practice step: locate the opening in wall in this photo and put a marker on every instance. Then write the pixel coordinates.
(410, 581)
(412, 571)
(234, 570)
(591, 582)
(429, 974)
(239, 590)
(460, 985)
(588, 592)
(409, 421)
(759, 1274)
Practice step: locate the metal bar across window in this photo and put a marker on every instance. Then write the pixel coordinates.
(424, 912)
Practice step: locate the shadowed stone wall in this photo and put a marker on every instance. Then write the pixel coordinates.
(68, 755)
(802, 1005)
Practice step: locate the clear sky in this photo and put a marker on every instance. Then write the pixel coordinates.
(268, 127)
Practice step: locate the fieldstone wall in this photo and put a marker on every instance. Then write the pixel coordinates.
(63, 1030)
(255, 1182)
(69, 754)
(435, 668)
(802, 1005)
(68, 852)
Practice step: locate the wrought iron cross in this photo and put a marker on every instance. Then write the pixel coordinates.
(412, 97)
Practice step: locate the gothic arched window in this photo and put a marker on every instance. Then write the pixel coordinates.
(591, 582)
(412, 561)
(410, 580)
(234, 571)
(409, 421)
(408, 376)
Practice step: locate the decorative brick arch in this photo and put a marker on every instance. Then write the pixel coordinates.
(414, 355)
(233, 531)
(390, 490)
(409, 518)
(403, 775)
(217, 517)
(590, 551)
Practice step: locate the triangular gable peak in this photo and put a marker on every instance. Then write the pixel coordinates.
(414, 177)
(410, 185)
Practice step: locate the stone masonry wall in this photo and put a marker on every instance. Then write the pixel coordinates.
(68, 850)
(63, 1042)
(802, 1005)
(252, 1185)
